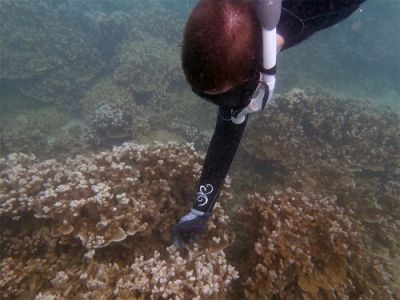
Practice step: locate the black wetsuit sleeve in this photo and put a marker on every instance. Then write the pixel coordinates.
(220, 154)
(300, 19)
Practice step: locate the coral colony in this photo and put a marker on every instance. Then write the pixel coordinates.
(123, 201)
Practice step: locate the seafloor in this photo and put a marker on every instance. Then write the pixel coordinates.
(102, 144)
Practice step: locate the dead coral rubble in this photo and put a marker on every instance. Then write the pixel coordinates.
(307, 248)
(100, 227)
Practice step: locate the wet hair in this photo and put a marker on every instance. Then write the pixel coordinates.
(221, 44)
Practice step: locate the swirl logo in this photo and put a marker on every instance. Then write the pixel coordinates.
(201, 197)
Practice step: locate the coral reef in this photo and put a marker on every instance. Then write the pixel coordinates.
(345, 147)
(178, 107)
(307, 248)
(200, 138)
(34, 131)
(105, 91)
(317, 143)
(51, 46)
(314, 128)
(111, 115)
(147, 64)
(99, 227)
(107, 123)
(325, 222)
(27, 26)
(59, 49)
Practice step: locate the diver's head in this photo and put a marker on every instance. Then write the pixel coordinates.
(220, 49)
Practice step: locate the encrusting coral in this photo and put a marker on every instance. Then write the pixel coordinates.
(99, 227)
(306, 247)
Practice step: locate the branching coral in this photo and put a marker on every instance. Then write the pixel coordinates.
(308, 248)
(109, 201)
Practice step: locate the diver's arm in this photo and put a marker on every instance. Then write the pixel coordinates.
(220, 154)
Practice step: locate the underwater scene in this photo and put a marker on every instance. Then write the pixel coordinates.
(102, 143)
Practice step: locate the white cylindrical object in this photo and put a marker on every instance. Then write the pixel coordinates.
(269, 48)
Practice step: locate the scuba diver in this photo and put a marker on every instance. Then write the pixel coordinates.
(229, 59)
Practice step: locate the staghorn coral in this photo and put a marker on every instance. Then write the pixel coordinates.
(307, 248)
(373, 199)
(203, 273)
(83, 195)
(87, 220)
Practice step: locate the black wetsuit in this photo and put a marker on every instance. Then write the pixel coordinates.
(299, 20)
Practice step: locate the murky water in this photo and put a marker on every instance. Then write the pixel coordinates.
(95, 117)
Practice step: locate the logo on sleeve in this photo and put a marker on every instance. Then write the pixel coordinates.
(201, 196)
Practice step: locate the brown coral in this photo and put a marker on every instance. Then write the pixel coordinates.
(88, 218)
(314, 128)
(316, 142)
(308, 248)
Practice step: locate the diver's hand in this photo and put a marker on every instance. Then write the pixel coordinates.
(190, 228)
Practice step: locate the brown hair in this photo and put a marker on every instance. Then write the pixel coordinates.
(221, 43)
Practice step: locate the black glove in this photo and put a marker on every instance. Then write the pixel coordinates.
(190, 228)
